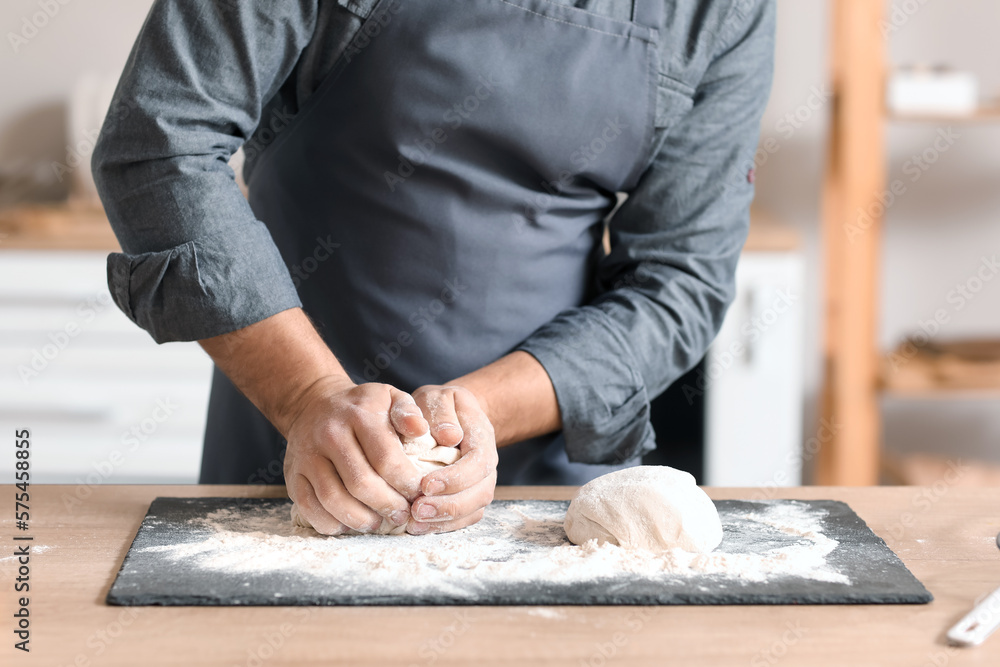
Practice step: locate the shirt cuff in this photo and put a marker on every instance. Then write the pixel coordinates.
(205, 287)
(602, 397)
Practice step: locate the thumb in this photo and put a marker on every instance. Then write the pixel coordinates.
(405, 416)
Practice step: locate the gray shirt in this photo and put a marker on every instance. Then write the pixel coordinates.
(206, 77)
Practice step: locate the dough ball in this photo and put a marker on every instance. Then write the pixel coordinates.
(425, 453)
(645, 507)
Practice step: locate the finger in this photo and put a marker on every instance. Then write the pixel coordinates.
(300, 490)
(415, 528)
(438, 406)
(405, 415)
(375, 470)
(479, 453)
(338, 502)
(434, 509)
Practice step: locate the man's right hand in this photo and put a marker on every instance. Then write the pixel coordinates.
(344, 467)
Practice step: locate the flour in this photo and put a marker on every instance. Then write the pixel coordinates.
(35, 549)
(520, 543)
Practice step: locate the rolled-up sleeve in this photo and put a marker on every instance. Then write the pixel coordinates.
(669, 278)
(196, 262)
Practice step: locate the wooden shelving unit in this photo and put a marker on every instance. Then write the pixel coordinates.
(926, 470)
(924, 370)
(985, 114)
(854, 368)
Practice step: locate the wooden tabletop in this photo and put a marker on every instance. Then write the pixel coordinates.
(944, 534)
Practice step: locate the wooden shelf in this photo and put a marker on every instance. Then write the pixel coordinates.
(943, 370)
(928, 470)
(917, 392)
(56, 227)
(986, 114)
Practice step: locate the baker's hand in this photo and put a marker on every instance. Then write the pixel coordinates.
(344, 467)
(455, 495)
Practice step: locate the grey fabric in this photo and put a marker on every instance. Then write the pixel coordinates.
(205, 77)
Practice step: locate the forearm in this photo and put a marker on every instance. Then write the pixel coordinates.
(517, 396)
(275, 361)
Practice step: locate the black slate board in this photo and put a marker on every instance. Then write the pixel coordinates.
(151, 576)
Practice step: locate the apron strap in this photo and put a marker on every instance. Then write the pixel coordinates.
(648, 13)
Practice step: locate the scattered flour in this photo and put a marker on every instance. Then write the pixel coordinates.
(35, 549)
(512, 544)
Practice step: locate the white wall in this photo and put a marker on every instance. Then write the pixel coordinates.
(935, 234)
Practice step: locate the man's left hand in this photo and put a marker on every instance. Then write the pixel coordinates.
(454, 496)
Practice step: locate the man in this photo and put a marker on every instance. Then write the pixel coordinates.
(428, 185)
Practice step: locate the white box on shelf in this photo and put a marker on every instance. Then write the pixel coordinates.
(941, 92)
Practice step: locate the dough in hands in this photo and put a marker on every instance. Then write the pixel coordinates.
(426, 454)
(647, 507)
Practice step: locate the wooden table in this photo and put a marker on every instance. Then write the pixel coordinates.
(945, 535)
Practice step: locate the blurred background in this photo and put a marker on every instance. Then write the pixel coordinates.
(862, 348)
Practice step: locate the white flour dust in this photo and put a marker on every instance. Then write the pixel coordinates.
(520, 543)
(35, 549)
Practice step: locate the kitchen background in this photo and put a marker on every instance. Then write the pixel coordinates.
(111, 391)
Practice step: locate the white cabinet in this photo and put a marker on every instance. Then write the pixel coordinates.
(754, 377)
(104, 403)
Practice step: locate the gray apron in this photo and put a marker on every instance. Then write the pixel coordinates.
(442, 195)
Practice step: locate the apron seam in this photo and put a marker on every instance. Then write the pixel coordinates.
(594, 14)
(577, 25)
(649, 135)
